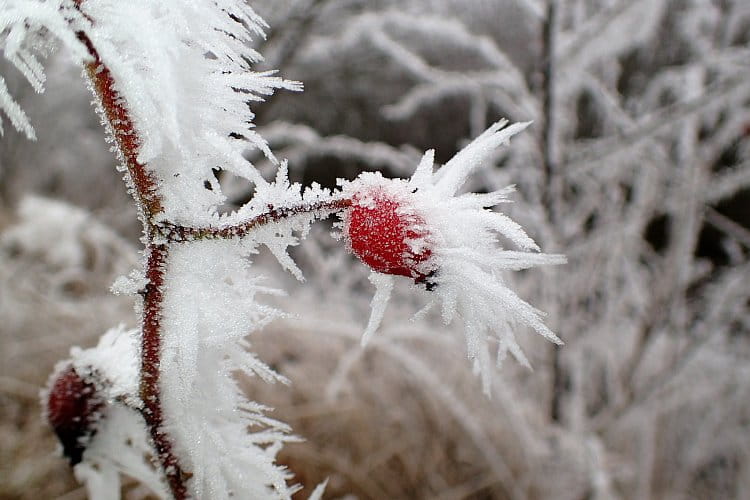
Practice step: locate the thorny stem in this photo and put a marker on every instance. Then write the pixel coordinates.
(183, 233)
(150, 370)
(143, 181)
(144, 185)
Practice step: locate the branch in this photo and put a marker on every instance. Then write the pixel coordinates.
(548, 143)
(728, 226)
(150, 370)
(142, 181)
(144, 187)
(592, 29)
(176, 233)
(551, 191)
(716, 94)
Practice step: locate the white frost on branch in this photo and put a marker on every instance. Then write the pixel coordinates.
(184, 69)
(406, 37)
(27, 28)
(210, 307)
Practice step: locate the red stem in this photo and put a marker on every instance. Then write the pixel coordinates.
(144, 182)
(150, 370)
(183, 233)
(145, 191)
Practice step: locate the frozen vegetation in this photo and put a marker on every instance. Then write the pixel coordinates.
(635, 166)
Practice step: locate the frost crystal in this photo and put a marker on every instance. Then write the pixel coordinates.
(204, 344)
(178, 81)
(466, 254)
(183, 68)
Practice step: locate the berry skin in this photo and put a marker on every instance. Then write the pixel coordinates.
(379, 232)
(73, 409)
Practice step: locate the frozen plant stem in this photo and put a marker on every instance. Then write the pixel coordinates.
(143, 187)
(175, 233)
(158, 237)
(143, 182)
(150, 364)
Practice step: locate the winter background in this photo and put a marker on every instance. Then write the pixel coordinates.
(638, 169)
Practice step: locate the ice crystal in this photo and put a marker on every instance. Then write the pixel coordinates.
(204, 344)
(466, 241)
(184, 70)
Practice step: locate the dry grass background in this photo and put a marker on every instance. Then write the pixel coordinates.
(45, 309)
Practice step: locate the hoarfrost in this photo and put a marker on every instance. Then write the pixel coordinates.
(203, 346)
(116, 357)
(383, 287)
(655, 330)
(120, 446)
(186, 81)
(467, 257)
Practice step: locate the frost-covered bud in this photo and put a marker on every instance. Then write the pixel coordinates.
(73, 407)
(385, 230)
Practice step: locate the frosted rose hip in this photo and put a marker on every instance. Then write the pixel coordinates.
(382, 234)
(73, 409)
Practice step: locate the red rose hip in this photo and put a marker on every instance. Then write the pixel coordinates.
(386, 236)
(73, 409)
